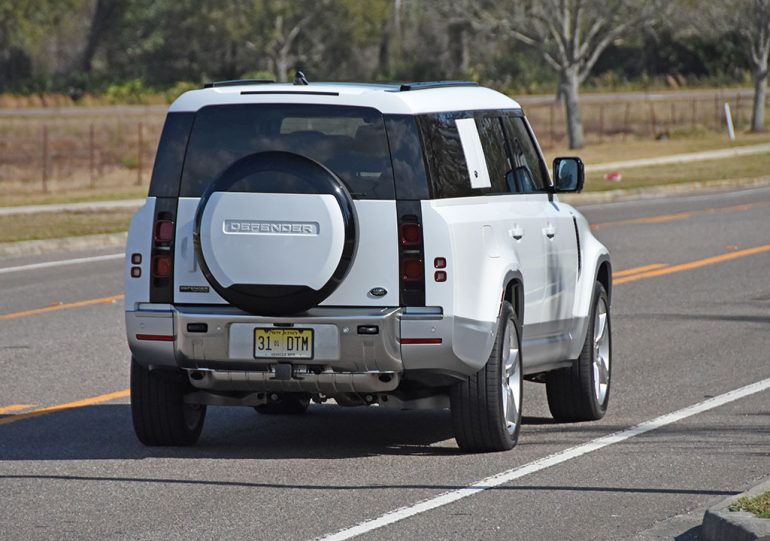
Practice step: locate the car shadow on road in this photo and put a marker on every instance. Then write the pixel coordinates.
(105, 432)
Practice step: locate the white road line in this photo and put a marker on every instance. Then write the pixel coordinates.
(49, 264)
(546, 462)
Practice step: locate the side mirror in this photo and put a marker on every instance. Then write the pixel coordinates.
(568, 174)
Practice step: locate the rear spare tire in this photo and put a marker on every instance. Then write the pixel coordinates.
(271, 247)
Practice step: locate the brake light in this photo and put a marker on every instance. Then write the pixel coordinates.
(164, 231)
(411, 253)
(411, 234)
(161, 258)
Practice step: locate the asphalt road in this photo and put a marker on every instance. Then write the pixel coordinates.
(690, 320)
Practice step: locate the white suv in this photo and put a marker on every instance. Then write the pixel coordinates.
(401, 246)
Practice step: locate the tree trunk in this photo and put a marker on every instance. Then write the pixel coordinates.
(760, 89)
(569, 92)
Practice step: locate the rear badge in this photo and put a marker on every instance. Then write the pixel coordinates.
(193, 289)
(378, 292)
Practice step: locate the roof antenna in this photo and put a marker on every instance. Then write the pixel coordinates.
(299, 79)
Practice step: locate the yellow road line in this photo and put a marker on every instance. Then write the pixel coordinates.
(637, 270)
(693, 264)
(57, 307)
(15, 407)
(663, 218)
(69, 405)
(639, 273)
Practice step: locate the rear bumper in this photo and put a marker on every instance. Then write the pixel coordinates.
(346, 358)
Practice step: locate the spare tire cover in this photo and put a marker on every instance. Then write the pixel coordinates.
(273, 252)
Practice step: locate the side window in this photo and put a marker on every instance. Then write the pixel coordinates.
(493, 143)
(529, 173)
(445, 155)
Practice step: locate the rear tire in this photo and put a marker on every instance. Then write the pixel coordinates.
(160, 415)
(486, 408)
(287, 404)
(581, 392)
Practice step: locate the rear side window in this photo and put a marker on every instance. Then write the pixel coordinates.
(350, 141)
(446, 150)
(529, 174)
(493, 143)
(168, 162)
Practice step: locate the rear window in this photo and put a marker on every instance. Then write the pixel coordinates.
(350, 141)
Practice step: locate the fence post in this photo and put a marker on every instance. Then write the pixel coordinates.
(551, 114)
(91, 155)
(139, 155)
(737, 119)
(716, 112)
(601, 123)
(45, 158)
(626, 121)
(692, 118)
(673, 117)
(653, 121)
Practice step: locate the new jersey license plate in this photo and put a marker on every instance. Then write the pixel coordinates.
(283, 343)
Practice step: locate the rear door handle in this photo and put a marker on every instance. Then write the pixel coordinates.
(549, 231)
(516, 232)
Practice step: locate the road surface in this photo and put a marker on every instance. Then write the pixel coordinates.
(688, 422)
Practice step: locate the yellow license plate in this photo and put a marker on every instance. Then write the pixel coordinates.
(283, 343)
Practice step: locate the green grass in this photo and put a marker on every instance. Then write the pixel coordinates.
(743, 167)
(63, 224)
(759, 505)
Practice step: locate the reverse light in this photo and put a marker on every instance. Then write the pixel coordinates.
(439, 276)
(136, 272)
(439, 262)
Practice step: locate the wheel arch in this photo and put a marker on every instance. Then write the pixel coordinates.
(513, 292)
(604, 276)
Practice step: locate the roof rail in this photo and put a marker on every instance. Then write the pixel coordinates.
(435, 84)
(238, 82)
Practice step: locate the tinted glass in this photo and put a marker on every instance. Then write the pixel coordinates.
(168, 162)
(528, 170)
(446, 159)
(350, 141)
(408, 159)
(493, 143)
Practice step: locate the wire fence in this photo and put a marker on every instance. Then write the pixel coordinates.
(115, 150)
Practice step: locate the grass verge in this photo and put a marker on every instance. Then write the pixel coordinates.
(759, 505)
(23, 227)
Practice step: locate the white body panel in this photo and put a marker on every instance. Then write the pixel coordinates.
(476, 235)
(375, 263)
(139, 241)
(404, 103)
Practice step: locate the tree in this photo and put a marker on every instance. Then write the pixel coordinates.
(571, 36)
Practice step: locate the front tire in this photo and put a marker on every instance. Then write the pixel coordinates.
(581, 392)
(486, 408)
(160, 415)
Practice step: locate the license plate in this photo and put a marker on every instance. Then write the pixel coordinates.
(283, 343)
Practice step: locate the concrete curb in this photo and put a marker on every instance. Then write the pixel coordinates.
(719, 523)
(66, 244)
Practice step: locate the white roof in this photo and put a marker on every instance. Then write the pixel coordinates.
(385, 98)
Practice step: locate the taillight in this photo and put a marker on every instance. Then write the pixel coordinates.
(411, 234)
(411, 254)
(161, 266)
(164, 231)
(162, 260)
(411, 270)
